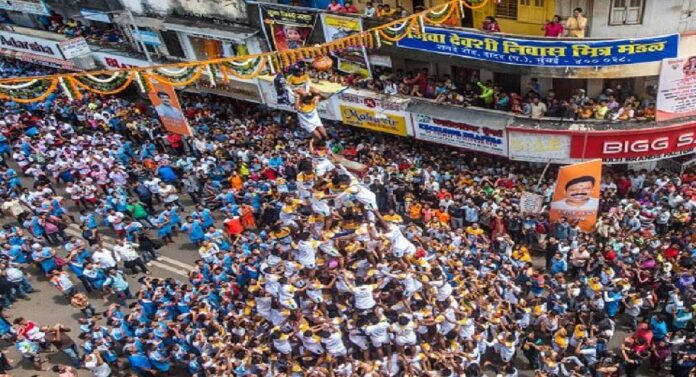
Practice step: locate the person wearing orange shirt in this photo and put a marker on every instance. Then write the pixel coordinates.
(443, 215)
(236, 181)
(414, 211)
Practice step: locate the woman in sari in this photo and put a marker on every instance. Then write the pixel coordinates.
(248, 221)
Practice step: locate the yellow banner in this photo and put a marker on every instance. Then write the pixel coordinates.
(364, 118)
(352, 67)
(344, 23)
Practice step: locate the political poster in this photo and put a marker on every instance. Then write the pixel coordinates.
(350, 59)
(676, 96)
(547, 52)
(576, 197)
(166, 103)
(286, 28)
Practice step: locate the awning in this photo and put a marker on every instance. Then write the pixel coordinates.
(475, 117)
(42, 60)
(241, 90)
(208, 29)
(148, 22)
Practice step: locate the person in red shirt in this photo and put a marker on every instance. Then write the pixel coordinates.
(623, 186)
(420, 83)
(490, 25)
(553, 28)
(348, 7)
(672, 251)
(176, 143)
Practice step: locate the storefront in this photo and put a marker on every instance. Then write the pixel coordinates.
(71, 54)
(116, 60)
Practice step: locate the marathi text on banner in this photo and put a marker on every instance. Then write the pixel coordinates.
(677, 89)
(372, 120)
(581, 53)
(457, 134)
(286, 28)
(166, 103)
(577, 194)
(350, 59)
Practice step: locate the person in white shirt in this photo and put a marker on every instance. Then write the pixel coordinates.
(104, 258)
(125, 251)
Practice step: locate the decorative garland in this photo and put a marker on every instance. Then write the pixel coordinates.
(103, 85)
(31, 95)
(34, 89)
(19, 86)
(120, 86)
(191, 74)
(255, 73)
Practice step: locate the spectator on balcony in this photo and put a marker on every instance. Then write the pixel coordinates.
(349, 7)
(538, 108)
(370, 10)
(533, 87)
(602, 110)
(604, 96)
(586, 111)
(502, 101)
(516, 103)
(400, 12)
(55, 17)
(649, 112)
(612, 103)
(334, 6)
(553, 28)
(419, 83)
(625, 113)
(385, 11)
(490, 25)
(487, 92)
(576, 24)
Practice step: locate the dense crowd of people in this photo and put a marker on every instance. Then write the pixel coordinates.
(421, 266)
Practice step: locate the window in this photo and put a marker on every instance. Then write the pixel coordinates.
(532, 11)
(626, 12)
(506, 9)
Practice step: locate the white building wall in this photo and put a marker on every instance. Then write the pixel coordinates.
(230, 10)
(659, 17)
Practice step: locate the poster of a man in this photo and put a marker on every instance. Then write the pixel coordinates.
(165, 109)
(577, 196)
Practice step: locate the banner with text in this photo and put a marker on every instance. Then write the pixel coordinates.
(538, 146)
(577, 194)
(676, 96)
(458, 134)
(636, 145)
(166, 103)
(362, 108)
(286, 28)
(25, 6)
(550, 52)
(350, 59)
(366, 118)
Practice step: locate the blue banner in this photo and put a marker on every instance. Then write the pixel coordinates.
(552, 52)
